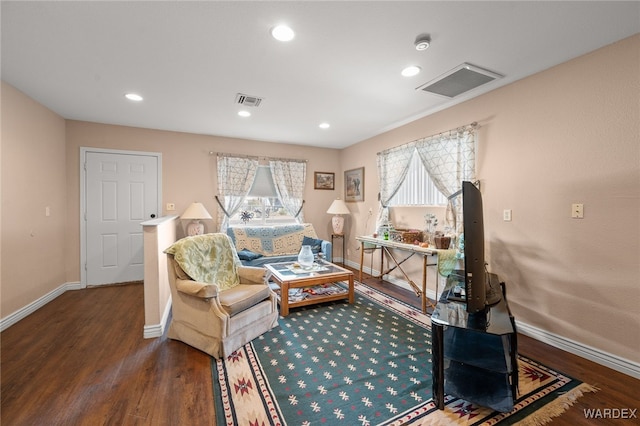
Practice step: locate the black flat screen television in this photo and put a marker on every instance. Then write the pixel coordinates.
(479, 291)
(473, 230)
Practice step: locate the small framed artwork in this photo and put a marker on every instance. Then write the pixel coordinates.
(354, 184)
(324, 180)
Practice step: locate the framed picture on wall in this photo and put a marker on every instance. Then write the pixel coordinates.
(324, 180)
(354, 184)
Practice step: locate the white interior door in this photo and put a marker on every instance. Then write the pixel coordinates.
(121, 192)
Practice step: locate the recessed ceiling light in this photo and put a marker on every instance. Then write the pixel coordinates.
(324, 125)
(244, 113)
(133, 97)
(283, 33)
(411, 71)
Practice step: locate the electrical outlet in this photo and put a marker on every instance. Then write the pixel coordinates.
(506, 215)
(171, 207)
(577, 211)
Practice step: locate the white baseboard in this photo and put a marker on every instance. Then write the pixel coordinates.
(153, 331)
(157, 330)
(608, 360)
(22, 313)
(598, 356)
(150, 331)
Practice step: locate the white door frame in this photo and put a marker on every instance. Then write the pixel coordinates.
(83, 198)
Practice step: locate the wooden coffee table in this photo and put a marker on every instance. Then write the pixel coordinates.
(287, 276)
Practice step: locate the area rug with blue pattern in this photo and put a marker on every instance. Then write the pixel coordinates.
(367, 363)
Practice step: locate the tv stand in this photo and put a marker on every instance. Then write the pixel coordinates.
(475, 355)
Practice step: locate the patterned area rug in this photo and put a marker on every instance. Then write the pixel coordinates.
(363, 364)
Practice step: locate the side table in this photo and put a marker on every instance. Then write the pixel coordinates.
(340, 236)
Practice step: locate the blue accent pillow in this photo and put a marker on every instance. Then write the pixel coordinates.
(316, 245)
(245, 254)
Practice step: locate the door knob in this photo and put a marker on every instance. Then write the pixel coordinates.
(153, 215)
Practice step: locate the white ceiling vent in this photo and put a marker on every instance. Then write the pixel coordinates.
(459, 80)
(252, 101)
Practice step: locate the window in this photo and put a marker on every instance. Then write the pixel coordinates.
(262, 204)
(262, 211)
(418, 188)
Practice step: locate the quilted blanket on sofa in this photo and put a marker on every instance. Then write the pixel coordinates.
(271, 240)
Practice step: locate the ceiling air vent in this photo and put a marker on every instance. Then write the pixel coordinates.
(252, 101)
(459, 80)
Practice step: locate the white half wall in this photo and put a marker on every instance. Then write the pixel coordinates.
(159, 234)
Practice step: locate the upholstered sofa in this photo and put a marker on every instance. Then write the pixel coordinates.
(259, 245)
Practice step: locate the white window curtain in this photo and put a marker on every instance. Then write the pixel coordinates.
(450, 158)
(393, 165)
(289, 178)
(235, 177)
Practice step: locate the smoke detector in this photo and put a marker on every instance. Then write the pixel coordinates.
(423, 41)
(246, 100)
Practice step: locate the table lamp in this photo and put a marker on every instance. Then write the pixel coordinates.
(195, 211)
(338, 208)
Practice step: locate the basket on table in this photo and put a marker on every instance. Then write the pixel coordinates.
(407, 236)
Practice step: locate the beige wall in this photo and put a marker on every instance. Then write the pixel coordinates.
(33, 178)
(189, 171)
(570, 134)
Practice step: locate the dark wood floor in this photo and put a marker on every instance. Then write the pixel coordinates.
(82, 360)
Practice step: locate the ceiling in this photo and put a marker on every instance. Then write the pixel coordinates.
(189, 60)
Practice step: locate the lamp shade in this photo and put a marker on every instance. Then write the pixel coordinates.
(263, 185)
(338, 207)
(196, 211)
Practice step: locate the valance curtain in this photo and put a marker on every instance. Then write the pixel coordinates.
(450, 158)
(289, 178)
(393, 165)
(235, 177)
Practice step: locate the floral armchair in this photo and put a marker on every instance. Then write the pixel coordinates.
(218, 305)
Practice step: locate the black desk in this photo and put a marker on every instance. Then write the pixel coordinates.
(474, 355)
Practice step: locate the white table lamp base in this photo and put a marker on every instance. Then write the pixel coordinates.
(338, 224)
(195, 228)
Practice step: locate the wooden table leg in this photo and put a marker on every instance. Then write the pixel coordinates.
(352, 295)
(284, 299)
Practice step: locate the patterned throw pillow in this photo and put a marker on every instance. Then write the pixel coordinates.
(245, 254)
(316, 244)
